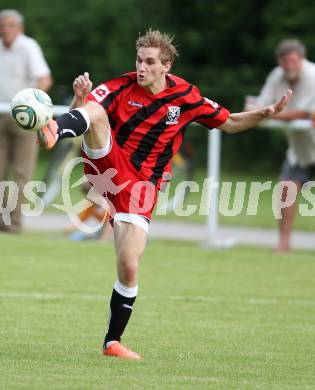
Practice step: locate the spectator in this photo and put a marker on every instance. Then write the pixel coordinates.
(22, 65)
(297, 73)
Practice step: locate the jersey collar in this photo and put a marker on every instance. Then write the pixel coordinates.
(171, 84)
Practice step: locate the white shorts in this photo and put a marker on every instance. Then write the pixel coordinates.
(95, 154)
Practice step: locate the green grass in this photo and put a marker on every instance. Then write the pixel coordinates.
(239, 319)
(264, 218)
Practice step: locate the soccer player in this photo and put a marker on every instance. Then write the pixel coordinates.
(135, 123)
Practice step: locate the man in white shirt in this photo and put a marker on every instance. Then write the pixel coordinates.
(22, 65)
(297, 73)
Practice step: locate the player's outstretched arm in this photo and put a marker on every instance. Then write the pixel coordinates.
(244, 120)
(82, 86)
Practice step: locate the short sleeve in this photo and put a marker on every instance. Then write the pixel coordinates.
(37, 63)
(108, 92)
(210, 113)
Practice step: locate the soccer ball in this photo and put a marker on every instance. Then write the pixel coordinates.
(31, 109)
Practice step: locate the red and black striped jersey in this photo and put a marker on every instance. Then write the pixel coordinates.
(150, 127)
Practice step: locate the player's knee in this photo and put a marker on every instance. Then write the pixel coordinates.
(97, 114)
(129, 270)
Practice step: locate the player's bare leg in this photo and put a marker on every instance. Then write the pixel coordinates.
(96, 137)
(286, 221)
(91, 120)
(130, 241)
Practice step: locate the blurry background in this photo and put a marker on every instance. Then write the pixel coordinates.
(227, 48)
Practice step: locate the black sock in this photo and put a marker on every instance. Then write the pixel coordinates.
(72, 124)
(121, 309)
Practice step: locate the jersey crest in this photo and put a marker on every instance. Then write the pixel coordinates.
(173, 115)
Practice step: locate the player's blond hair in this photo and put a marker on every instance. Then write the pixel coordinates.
(154, 38)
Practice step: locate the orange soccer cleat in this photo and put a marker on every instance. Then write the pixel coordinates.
(118, 350)
(47, 137)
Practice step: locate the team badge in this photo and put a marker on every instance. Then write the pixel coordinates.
(173, 115)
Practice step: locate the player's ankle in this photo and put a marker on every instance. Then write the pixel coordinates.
(109, 343)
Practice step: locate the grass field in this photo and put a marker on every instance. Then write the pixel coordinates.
(264, 217)
(239, 319)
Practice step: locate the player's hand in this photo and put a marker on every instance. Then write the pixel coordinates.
(82, 85)
(275, 109)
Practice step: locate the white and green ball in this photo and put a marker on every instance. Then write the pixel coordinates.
(31, 109)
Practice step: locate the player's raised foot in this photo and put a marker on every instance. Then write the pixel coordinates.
(47, 136)
(116, 349)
